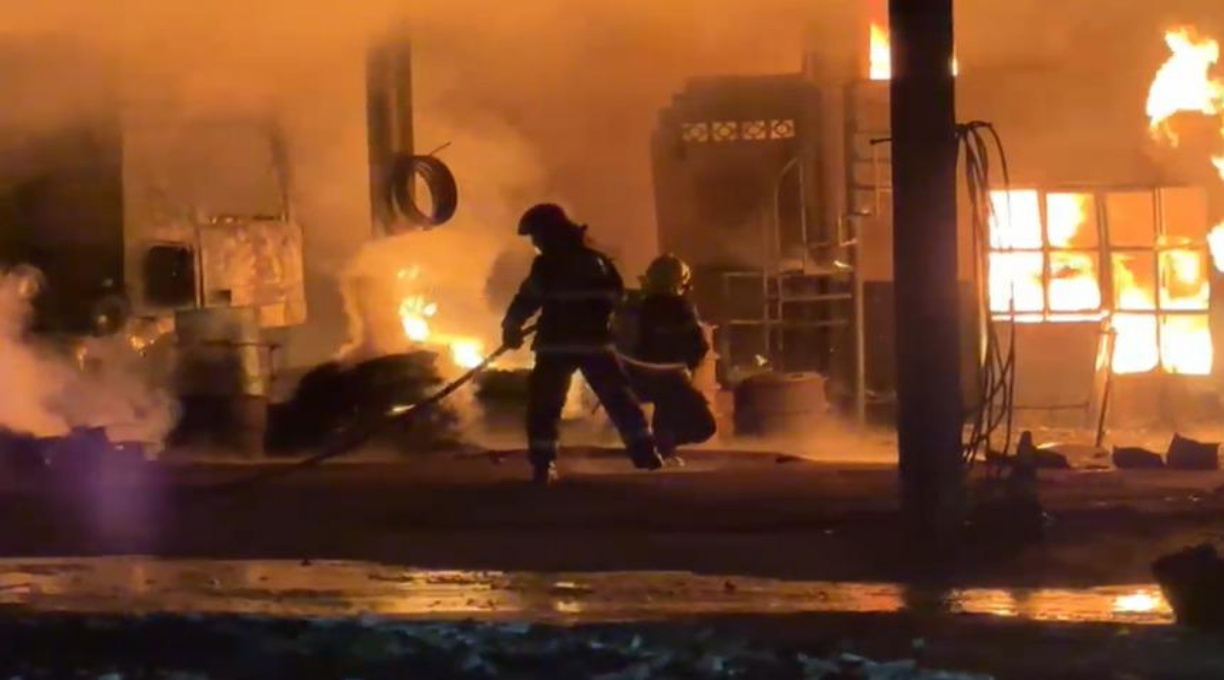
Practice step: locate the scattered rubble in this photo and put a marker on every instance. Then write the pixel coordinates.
(83, 450)
(1135, 458)
(228, 647)
(1188, 454)
(1193, 584)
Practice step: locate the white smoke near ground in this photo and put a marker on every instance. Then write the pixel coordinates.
(32, 378)
(49, 391)
(469, 268)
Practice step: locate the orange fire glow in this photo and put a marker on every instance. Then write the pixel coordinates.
(1184, 83)
(1064, 284)
(880, 54)
(1051, 270)
(1215, 241)
(1018, 278)
(416, 312)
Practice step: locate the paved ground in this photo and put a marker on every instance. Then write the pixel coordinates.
(722, 514)
(137, 613)
(560, 554)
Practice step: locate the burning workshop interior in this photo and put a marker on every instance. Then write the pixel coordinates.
(1091, 266)
(291, 254)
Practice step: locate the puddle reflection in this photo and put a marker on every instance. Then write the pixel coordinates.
(139, 585)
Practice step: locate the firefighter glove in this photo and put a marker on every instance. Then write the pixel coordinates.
(512, 337)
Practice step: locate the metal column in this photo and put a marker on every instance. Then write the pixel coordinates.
(389, 119)
(925, 255)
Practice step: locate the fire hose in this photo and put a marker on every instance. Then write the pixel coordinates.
(363, 430)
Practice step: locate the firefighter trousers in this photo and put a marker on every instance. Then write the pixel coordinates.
(549, 385)
(682, 414)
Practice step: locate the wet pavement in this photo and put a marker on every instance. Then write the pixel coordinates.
(348, 589)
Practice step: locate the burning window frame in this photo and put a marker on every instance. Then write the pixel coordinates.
(1167, 243)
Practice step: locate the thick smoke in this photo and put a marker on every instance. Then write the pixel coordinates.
(540, 100)
(48, 391)
(451, 265)
(33, 379)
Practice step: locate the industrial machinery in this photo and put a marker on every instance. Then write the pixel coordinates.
(741, 186)
(140, 209)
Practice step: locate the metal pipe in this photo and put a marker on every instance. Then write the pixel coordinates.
(860, 343)
(1103, 418)
(378, 134)
(389, 118)
(774, 256)
(775, 247)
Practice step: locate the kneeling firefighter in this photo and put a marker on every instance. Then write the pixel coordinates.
(670, 344)
(575, 289)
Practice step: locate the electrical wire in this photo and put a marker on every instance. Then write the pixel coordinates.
(438, 178)
(994, 413)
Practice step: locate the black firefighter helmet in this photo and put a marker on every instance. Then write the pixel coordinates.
(548, 224)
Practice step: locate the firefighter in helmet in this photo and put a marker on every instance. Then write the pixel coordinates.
(670, 344)
(575, 289)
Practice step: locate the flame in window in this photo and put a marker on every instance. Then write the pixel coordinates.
(1052, 271)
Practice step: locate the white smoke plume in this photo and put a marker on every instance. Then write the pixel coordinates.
(450, 266)
(48, 391)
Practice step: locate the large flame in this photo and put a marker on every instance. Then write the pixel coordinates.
(416, 312)
(1215, 241)
(1184, 83)
(1055, 275)
(881, 53)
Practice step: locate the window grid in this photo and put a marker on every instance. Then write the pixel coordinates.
(1104, 253)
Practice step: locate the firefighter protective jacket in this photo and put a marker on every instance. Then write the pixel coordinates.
(576, 292)
(669, 332)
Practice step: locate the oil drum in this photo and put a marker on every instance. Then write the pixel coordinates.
(780, 404)
(222, 380)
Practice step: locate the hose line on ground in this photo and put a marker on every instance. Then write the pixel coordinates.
(360, 432)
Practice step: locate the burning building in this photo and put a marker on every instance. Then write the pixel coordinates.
(1095, 263)
(172, 193)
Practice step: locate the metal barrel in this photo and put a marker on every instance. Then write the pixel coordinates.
(223, 379)
(780, 404)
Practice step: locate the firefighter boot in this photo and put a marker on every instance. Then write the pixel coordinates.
(545, 474)
(643, 454)
(543, 457)
(666, 445)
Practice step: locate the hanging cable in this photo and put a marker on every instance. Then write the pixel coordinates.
(994, 413)
(437, 178)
